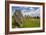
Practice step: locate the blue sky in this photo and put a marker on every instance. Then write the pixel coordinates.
(26, 9)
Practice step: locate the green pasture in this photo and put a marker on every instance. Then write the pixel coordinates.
(27, 22)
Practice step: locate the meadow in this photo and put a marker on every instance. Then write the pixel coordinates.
(28, 22)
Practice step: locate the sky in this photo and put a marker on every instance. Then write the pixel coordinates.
(33, 11)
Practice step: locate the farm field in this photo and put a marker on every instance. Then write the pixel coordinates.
(28, 22)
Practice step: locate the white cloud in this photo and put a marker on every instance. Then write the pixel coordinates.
(36, 13)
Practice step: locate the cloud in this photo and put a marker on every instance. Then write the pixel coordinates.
(34, 11)
(23, 8)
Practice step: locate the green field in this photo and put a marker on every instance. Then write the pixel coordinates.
(28, 22)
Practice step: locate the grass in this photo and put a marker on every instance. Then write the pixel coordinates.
(28, 22)
(31, 23)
